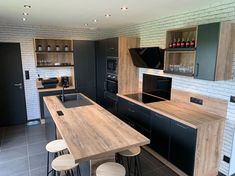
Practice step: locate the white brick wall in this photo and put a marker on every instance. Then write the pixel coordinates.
(152, 33)
(24, 35)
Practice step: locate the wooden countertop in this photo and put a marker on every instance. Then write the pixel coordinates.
(91, 131)
(58, 88)
(181, 112)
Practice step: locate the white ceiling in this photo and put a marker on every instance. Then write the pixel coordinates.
(75, 13)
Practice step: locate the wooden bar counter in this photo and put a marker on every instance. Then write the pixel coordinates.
(90, 131)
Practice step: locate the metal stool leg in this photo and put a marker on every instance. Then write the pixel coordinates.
(78, 171)
(139, 166)
(47, 163)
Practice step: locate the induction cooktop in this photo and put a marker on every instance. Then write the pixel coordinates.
(144, 98)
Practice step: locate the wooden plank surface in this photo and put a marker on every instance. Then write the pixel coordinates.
(92, 132)
(181, 112)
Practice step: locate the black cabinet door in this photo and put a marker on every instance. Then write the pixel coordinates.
(112, 47)
(136, 116)
(84, 63)
(160, 134)
(206, 55)
(182, 147)
(100, 70)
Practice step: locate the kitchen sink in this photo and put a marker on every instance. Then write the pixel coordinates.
(74, 100)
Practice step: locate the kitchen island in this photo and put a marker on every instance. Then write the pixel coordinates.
(90, 131)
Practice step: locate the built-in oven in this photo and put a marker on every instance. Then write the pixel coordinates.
(111, 84)
(112, 65)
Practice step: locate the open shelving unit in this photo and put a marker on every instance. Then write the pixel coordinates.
(180, 61)
(62, 57)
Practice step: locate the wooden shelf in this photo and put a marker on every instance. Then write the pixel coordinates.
(181, 49)
(178, 73)
(40, 66)
(46, 52)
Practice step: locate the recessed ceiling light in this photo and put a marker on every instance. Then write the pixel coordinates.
(27, 6)
(95, 20)
(107, 15)
(24, 19)
(124, 8)
(86, 24)
(25, 14)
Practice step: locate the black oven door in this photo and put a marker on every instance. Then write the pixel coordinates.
(111, 86)
(111, 65)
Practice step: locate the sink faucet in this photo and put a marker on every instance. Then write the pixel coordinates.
(65, 85)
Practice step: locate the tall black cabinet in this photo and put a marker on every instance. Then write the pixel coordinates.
(84, 67)
(103, 49)
(100, 70)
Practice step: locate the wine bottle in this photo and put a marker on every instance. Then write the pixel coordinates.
(187, 44)
(192, 43)
(174, 43)
(178, 44)
(182, 43)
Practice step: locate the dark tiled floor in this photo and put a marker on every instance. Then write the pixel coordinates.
(22, 153)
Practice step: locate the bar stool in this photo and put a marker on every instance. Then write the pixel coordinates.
(54, 147)
(65, 163)
(132, 153)
(110, 169)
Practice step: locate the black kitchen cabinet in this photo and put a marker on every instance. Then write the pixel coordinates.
(160, 134)
(49, 124)
(207, 47)
(111, 48)
(84, 67)
(100, 70)
(182, 146)
(135, 115)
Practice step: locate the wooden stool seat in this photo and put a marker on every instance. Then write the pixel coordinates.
(130, 152)
(63, 163)
(56, 146)
(110, 169)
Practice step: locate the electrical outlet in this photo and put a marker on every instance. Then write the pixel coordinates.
(27, 77)
(196, 100)
(232, 99)
(226, 159)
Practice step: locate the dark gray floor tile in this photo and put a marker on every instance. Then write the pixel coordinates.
(36, 138)
(26, 173)
(165, 171)
(39, 171)
(13, 142)
(37, 148)
(14, 167)
(12, 154)
(35, 130)
(38, 161)
(15, 129)
(10, 136)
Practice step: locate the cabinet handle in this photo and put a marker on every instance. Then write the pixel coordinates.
(181, 126)
(131, 110)
(130, 103)
(158, 116)
(197, 70)
(105, 85)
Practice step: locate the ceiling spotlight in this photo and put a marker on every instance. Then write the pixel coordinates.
(95, 20)
(27, 6)
(124, 8)
(25, 14)
(107, 15)
(24, 19)
(86, 24)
